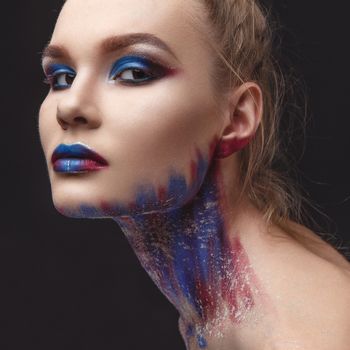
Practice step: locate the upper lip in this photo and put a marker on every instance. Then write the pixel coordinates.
(76, 150)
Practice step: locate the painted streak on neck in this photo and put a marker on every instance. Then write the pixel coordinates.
(199, 265)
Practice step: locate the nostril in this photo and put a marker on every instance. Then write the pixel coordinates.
(80, 120)
(62, 123)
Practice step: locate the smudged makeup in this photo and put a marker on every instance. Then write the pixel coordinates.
(180, 235)
(178, 231)
(162, 183)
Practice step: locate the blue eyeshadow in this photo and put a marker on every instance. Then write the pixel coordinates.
(58, 68)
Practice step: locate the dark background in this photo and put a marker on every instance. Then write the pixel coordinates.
(76, 284)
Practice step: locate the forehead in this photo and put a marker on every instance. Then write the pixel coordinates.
(88, 21)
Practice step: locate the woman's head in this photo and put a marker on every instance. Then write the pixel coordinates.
(196, 86)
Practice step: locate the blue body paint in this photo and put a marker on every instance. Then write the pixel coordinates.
(202, 343)
(180, 240)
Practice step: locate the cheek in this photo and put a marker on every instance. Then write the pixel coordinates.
(45, 124)
(162, 124)
(160, 154)
(157, 141)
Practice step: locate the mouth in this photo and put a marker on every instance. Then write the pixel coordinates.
(76, 158)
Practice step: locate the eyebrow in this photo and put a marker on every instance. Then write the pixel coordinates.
(111, 44)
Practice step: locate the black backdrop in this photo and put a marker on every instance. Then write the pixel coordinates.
(76, 284)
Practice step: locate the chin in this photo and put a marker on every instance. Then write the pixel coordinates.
(83, 207)
(76, 200)
(78, 197)
(81, 201)
(75, 207)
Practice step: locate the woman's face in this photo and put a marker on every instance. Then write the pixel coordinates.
(143, 102)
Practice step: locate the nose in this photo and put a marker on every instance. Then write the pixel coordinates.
(77, 108)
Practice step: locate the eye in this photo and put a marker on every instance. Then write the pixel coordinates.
(136, 70)
(59, 77)
(134, 75)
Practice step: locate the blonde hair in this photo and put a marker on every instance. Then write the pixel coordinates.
(243, 38)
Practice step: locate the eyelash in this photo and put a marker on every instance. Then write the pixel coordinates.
(51, 79)
(147, 67)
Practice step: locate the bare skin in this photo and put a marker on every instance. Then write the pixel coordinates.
(309, 288)
(305, 284)
(277, 292)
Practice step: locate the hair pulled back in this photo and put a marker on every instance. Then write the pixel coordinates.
(243, 38)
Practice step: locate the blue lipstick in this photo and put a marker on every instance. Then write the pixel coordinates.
(76, 158)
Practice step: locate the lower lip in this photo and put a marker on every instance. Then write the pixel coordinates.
(76, 165)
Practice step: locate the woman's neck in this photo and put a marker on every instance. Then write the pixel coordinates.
(196, 258)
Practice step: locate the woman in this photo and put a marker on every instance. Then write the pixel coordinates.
(163, 115)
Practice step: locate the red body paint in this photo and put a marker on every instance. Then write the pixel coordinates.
(227, 148)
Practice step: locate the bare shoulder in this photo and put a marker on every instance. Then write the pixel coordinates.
(307, 244)
(314, 260)
(312, 293)
(320, 247)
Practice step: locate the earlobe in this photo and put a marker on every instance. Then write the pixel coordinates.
(245, 117)
(226, 148)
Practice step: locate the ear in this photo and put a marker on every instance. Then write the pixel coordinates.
(245, 113)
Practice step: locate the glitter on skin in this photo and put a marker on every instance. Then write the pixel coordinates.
(201, 342)
(180, 236)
